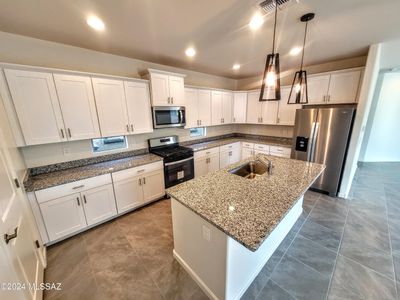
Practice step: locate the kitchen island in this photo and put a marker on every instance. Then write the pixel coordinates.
(226, 227)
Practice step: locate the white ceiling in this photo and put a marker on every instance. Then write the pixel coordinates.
(160, 30)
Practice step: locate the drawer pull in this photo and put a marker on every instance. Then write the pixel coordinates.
(141, 171)
(77, 201)
(84, 199)
(78, 187)
(144, 180)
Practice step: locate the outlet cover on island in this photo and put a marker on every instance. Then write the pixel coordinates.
(206, 233)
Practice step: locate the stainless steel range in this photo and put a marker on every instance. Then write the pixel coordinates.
(178, 160)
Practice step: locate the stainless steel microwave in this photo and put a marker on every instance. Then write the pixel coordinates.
(168, 116)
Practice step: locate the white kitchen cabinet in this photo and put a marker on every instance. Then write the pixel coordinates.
(36, 104)
(286, 112)
(138, 106)
(254, 108)
(111, 106)
(128, 193)
(99, 204)
(198, 107)
(317, 88)
(75, 94)
(200, 166)
(239, 107)
(270, 112)
(216, 108)
(227, 103)
(63, 216)
(229, 157)
(247, 152)
(153, 185)
(204, 107)
(260, 152)
(280, 151)
(167, 89)
(206, 161)
(343, 87)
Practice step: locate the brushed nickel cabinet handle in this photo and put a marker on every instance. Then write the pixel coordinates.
(77, 201)
(127, 127)
(78, 187)
(140, 181)
(62, 133)
(144, 180)
(84, 199)
(132, 127)
(69, 132)
(200, 122)
(172, 100)
(9, 237)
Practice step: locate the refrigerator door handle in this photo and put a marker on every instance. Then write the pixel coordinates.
(314, 142)
(311, 145)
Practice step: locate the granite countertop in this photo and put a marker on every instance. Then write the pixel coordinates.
(46, 180)
(221, 142)
(248, 210)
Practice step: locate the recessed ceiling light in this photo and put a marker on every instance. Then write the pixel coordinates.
(190, 52)
(295, 51)
(95, 23)
(236, 67)
(256, 21)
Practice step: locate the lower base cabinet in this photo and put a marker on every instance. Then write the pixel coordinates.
(99, 204)
(206, 164)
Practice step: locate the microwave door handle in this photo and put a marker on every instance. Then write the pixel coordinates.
(181, 116)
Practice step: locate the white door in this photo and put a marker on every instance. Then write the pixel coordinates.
(153, 185)
(270, 112)
(224, 159)
(254, 108)
(227, 102)
(246, 153)
(204, 107)
(343, 87)
(138, 105)
(35, 101)
(99, 204)
(159, 89)
(239, 107)
(192, 115)
(286, 112)
(20, 253)
(317, 88)
(78, 107)
(128, 193)
(176, 90)
(111, 106)
(200, 166)
(216, 108)
(235, 155)
(63, 216)
(213, 162)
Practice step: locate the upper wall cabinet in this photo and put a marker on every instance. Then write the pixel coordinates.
(221, 107)
(335, 87)
(198, 107)
(261, 112)
(286, 112)
(167, 89)
(111, 106)
(78, 107)
(36, 104)
(239, 107)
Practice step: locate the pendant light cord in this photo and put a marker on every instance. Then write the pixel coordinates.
(304, 45)
(276, 16)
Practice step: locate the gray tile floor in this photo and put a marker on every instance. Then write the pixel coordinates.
(338, 249)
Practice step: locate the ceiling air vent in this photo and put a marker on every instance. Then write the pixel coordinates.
(268, 6)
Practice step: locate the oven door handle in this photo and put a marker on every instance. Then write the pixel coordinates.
(178, 162)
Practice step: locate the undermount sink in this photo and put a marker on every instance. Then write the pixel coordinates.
(252, 169)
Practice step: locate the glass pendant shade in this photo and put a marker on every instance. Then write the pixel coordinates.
(298, 92)
(271, 83)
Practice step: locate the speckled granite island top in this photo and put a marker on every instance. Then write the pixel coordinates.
(248, 210)
(46, 180)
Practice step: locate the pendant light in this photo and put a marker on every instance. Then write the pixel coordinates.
(271, 82)
(298, 92)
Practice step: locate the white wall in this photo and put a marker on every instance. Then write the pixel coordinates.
(382, 138)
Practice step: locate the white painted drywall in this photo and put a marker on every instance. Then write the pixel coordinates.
(382, 141)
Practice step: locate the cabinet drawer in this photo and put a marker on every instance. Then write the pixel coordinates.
(136, 171)
(72, 187)
(247, 145)
(280, 150)
(229, 147)
(262, 147)
(207, 152)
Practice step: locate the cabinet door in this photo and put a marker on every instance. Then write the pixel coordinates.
(138, 106)
(35, 101)
(216, 108)
(224, 159)
(286, 112)
(246, 153)
(261, 152)
(176, 90)
(254, 108)
(239, 107)
(75, 94)
(204, 107)
(153, 185)
(270, 112)
(192, 114)
(63, 216)
(159, 89)
(99, 204)
(227, 102)
(343, 87)
(200, 166)
(235, 155)
(213, 162)
(128, 193)
(317, 88)
(111, 106)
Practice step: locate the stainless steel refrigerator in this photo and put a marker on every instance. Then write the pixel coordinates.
(322, 135)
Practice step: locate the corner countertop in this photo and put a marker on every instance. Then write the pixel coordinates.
(226, 141)
(46, 180)
(248, 210)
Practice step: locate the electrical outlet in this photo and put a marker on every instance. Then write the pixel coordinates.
(66, 151)
(206, 233)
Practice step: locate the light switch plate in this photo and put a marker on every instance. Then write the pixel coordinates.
(206, 233)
